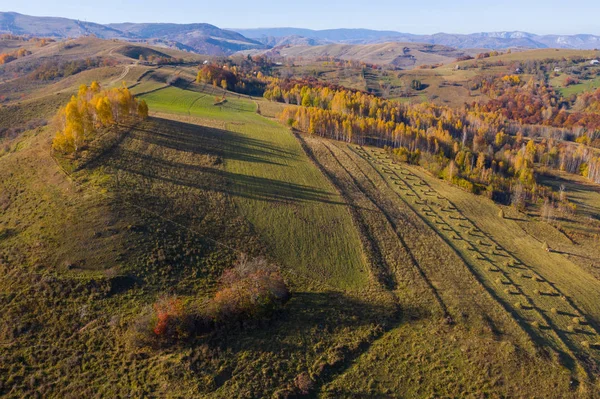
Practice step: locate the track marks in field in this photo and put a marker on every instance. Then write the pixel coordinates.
(536, 303)
(378, 203)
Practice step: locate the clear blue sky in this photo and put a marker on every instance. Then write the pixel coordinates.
(426, 16)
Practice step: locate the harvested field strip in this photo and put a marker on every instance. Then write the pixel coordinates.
(453, 282)
(394, 227)
(375, 259)
(541, 302)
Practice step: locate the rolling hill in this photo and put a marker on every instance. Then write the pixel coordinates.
(402, 284)
(19, 24)
(401, 55)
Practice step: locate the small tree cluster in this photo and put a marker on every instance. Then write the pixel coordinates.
(250, 291)
(53, 69)
(92, 108)
(5, 58)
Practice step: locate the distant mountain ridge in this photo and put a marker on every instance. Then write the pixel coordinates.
(208, 39)
(485, 40)
(201, 38)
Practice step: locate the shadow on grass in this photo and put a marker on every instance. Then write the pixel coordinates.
(325, 319)
(571, 254)
(154, 160)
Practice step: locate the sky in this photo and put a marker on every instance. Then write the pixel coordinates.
(420, 17)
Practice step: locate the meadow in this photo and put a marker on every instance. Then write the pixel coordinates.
(285, 198)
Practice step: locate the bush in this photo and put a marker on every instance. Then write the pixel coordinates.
(251, 290)
(167, 321)
(304, 384)
(464, 184)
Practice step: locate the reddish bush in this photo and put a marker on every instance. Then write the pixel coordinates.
(571, 81)
(168, 311)
(250, 290)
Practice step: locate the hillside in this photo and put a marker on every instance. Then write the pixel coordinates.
(19, 24)
(402, 284)
(200, 38)
(401, 55)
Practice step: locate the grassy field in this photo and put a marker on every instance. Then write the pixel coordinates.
(461, 282)
(139, 221)
(402, 285)
(567, 91)
(285, 198)
(540, 289)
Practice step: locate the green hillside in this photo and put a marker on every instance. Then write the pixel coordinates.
(402, 285)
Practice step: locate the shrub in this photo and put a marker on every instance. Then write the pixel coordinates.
(554, 311)
(172, 321)
(303, 383)
(249, 290)
(571, 81)
(167, 321)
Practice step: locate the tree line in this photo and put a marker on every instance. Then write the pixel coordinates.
(476, 147)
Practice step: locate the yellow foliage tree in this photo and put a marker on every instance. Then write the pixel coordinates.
(76, 124)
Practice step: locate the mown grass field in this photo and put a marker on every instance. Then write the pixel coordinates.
(466, 283)
(542, 290)
(567, 91)
(286, 199)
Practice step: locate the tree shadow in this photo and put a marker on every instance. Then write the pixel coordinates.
(312, 319)
(210, 141)
(571, 254)
(161, 155)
